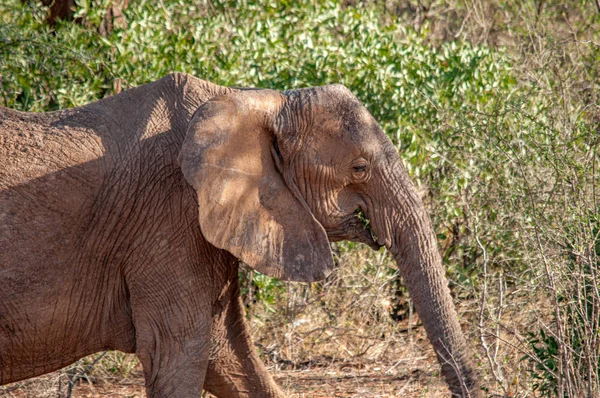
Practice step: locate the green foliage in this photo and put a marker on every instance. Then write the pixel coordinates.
(260, 289)
(545, 349)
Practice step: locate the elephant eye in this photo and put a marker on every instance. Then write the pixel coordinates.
(360, 169)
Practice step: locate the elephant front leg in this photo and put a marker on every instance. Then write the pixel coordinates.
(172, 330)
(235, 369)
(174, 366)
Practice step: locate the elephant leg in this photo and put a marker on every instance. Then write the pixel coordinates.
(173, 329)
(174, 368)
(235, 369)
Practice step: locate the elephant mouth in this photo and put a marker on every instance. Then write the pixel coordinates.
(357, 228)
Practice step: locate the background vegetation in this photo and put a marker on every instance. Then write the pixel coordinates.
(493, 106)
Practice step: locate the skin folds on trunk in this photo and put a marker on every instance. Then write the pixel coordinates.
(418, 258)
(405, 228)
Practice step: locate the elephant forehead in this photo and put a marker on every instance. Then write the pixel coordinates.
(343, 146)
(349, 121)
(359, 122)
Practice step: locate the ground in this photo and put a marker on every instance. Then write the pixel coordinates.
(407, 377)
(405, 368)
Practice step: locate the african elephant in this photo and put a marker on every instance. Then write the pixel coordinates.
(122, 224)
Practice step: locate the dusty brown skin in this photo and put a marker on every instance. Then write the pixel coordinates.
(122, 222)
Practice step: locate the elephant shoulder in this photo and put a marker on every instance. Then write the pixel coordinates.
(195, 91)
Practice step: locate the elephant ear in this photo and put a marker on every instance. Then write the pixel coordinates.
(244, 204)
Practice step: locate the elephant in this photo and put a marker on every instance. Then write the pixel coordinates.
(123, 223)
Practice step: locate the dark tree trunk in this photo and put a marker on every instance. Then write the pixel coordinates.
(65, 9)
(59, 9)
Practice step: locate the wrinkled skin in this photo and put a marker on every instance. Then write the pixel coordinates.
(122, 223)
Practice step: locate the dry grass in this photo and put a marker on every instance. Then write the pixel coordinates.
(410, 376)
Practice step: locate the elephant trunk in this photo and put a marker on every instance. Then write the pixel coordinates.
(408, 233)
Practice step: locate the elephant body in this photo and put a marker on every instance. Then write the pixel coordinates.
(101, 248)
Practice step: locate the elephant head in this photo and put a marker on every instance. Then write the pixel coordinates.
(279, 175)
